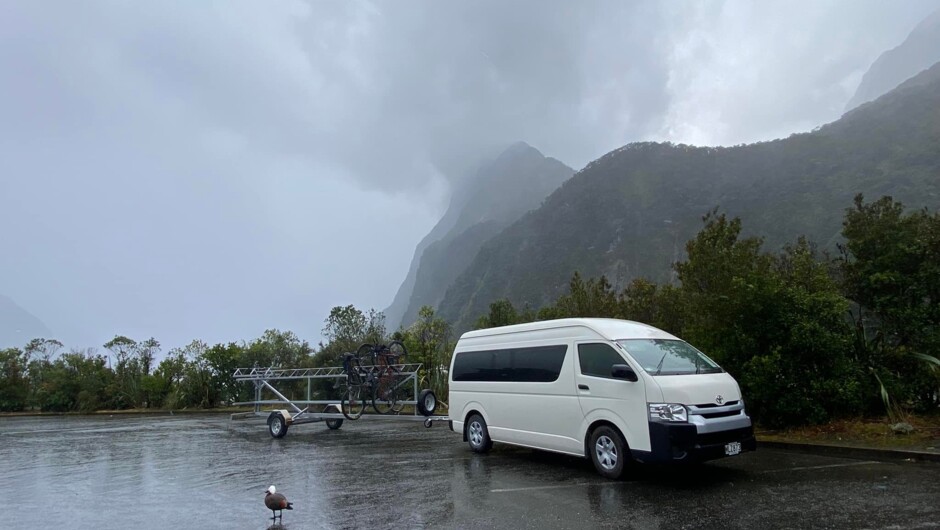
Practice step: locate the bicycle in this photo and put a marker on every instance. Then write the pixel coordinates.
(359, 380)
(388, 386)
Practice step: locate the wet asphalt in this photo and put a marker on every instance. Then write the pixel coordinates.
(206, 471)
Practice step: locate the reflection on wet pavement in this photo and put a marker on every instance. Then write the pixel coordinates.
(147, 472)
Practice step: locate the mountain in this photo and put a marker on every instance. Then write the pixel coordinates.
(396, 311)
(918, 52)
(628, 214)
(18, 326)
(500, 192)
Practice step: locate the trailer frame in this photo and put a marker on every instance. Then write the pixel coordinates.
(280, 419)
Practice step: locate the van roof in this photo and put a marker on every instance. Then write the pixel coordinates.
(610, 328)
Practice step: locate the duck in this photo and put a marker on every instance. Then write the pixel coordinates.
(276, 502)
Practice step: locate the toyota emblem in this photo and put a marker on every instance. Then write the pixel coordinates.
(719, 399)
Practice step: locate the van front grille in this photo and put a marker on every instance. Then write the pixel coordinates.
(725, 414)
(713, 405)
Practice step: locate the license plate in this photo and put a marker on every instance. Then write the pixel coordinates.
(732, 448)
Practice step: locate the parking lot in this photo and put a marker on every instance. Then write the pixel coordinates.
(428, 477)
(205, 471)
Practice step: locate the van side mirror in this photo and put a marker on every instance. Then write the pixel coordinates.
(622, 371)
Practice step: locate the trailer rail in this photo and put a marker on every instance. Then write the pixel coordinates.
(290, 412)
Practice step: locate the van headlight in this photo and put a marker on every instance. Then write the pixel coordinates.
(672, 412)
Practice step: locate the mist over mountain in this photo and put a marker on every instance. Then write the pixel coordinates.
(500, 192)
(396, 310)
(919, 51)
(18, 326)
(628, 214)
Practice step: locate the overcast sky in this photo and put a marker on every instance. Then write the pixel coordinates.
(208, 170)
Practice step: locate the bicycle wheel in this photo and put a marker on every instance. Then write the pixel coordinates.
(384, 394)
(352, 404)
(366, 355)
(402, 393)
(398, 352)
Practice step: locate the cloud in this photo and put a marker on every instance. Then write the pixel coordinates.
(209, 169)
(744, 72)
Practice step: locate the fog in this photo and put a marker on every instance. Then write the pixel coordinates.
(208, 170)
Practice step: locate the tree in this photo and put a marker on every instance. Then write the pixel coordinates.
(128, 371)
(222, 360)
(346, 329)
(890, 267)
(122, 347)
(169, 377)
(428, 342)
(76, 381)
(148, 351)
(658, 305)
(802, 371)
(593, 298)
(40, 352)
(502, 313)
(282, 349)
(375, 327)
(719, 281)
(42, 348)
(14, 382)
(195, 389)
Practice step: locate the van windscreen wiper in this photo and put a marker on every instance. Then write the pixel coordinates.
(660, 365)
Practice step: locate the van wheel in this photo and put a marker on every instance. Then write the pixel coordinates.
(608, 452)
(478, 435)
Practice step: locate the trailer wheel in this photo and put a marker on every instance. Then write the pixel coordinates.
(478, 435)
(277, 425)
(427, 402)
(334, 424)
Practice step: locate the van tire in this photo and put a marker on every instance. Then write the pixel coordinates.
(609, 452)
(478, 436)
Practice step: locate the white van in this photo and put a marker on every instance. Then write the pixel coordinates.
(611, 390)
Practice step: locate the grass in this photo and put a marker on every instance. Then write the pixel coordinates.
(863, 432)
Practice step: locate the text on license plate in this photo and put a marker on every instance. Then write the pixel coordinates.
(732, 448)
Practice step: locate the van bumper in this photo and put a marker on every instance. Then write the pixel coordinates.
(671, 442)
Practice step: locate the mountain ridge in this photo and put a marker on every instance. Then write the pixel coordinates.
(626, 214)
(919, 51)
(18, 326)
(501, 190)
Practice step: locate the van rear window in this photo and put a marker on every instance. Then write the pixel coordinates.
(540, 364)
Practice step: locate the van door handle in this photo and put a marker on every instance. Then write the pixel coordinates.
(583, 387)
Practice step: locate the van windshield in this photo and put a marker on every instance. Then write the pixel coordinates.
(668, 357)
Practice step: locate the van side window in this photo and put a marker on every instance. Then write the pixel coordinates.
(596, 359)
(540, 364)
